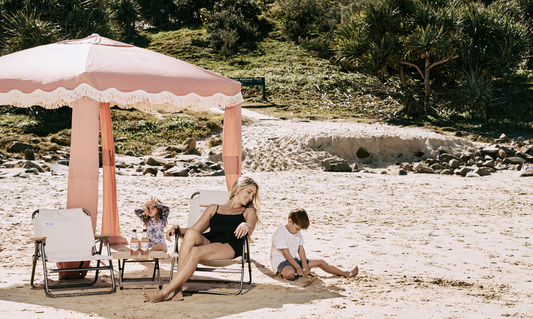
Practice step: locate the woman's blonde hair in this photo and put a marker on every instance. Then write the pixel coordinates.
(242, 183)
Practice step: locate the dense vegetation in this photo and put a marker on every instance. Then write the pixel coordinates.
(453, 64)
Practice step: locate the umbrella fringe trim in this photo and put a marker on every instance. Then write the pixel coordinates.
(139, 99)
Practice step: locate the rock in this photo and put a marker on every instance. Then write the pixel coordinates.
(407, 166)
(446, 157)
(189, 145)
(219, 172)
(58, 169)
(437, 167)
(455, 163)
(177, 171)
(491, 150)
(32, 165)
(335, 165)
(461, 171)
(513, 160)
(431, 161)
(354, 167)
(168, 166)
(489, 163)
(419, 167)
(18, 147)
(14, 164)
(16, 172)
(121, 164)
(362, 153)
(482, 171)
(29, 154)
(528, 149)
(447, 172)
(33, 171)
(526, 173)
(150, 170)
(215, 166)
(400, 172)
(472, 174)
(155, 161)
(503, 138)
(501, 154)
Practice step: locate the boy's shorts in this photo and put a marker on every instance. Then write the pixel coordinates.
(285, 263)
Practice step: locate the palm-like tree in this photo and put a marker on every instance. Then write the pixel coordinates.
(433, 46)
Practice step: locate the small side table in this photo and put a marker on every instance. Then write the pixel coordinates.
(152, 257)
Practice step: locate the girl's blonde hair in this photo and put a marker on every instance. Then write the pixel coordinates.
(242, 183)
(159, 212)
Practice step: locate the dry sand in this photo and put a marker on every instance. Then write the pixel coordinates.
(428, 246)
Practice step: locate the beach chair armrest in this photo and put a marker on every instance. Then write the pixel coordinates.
(102, 237)
(39, 239)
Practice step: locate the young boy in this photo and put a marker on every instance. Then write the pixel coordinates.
(288, 255)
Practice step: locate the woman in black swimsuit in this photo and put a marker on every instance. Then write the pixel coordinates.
(228, 224)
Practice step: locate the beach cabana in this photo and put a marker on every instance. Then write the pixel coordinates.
(94, 73)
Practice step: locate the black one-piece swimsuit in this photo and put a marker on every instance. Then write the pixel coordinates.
(223, 230)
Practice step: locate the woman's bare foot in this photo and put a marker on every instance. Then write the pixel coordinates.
(178, 295)
(155, 296)
(354, 272)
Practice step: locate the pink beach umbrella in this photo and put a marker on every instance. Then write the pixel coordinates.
(93, 73)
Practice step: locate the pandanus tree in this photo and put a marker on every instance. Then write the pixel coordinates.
(394, 34)
(433, 46)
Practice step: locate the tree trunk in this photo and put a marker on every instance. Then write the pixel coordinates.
(426, 83)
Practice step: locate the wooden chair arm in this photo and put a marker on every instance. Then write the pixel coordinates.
(102, 237)
(39, 239)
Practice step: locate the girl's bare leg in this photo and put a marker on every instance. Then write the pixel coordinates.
(158, 247)
(196, 254)
(332, 269)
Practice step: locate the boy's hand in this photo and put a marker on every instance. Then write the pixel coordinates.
(300, 272)
(306, 272)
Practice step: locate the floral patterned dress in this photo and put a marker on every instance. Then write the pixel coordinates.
(155, 227)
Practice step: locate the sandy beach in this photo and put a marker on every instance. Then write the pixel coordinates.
(427, 245)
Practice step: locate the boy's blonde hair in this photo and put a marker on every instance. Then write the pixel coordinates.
(299, 217)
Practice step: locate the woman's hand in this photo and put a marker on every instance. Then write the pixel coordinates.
(242, 230)
(170, 234)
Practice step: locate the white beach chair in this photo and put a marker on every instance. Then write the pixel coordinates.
(200, 200)
(66, 235)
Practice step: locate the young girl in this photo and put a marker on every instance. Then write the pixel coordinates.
(154, 215)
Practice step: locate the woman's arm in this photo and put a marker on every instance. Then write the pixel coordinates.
(247, 227)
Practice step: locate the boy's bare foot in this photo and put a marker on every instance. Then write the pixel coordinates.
(178, 295)
(354, 272)
(155, 296)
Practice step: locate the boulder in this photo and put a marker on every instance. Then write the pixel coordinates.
(501, 154)
(150, 170)
(446, 157)
(472, 174)
(527, 173)
(155, 161)
(18, 147)
(455, 163)
(447, 172)
(29, 154)
(421, 168)
(461, 171)
(335, 165)
(58, 169)
(177, 171)
(513, 160)
(482, 171)
(189, 145)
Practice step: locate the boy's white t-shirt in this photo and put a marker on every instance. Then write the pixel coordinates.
(283, 239)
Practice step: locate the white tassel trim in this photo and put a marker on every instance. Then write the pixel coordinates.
(164, 101)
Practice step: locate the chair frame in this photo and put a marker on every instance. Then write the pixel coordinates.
(40, 253)
(217, 266)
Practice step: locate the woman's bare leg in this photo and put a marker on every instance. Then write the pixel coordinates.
(196, 254)
(314, 263)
